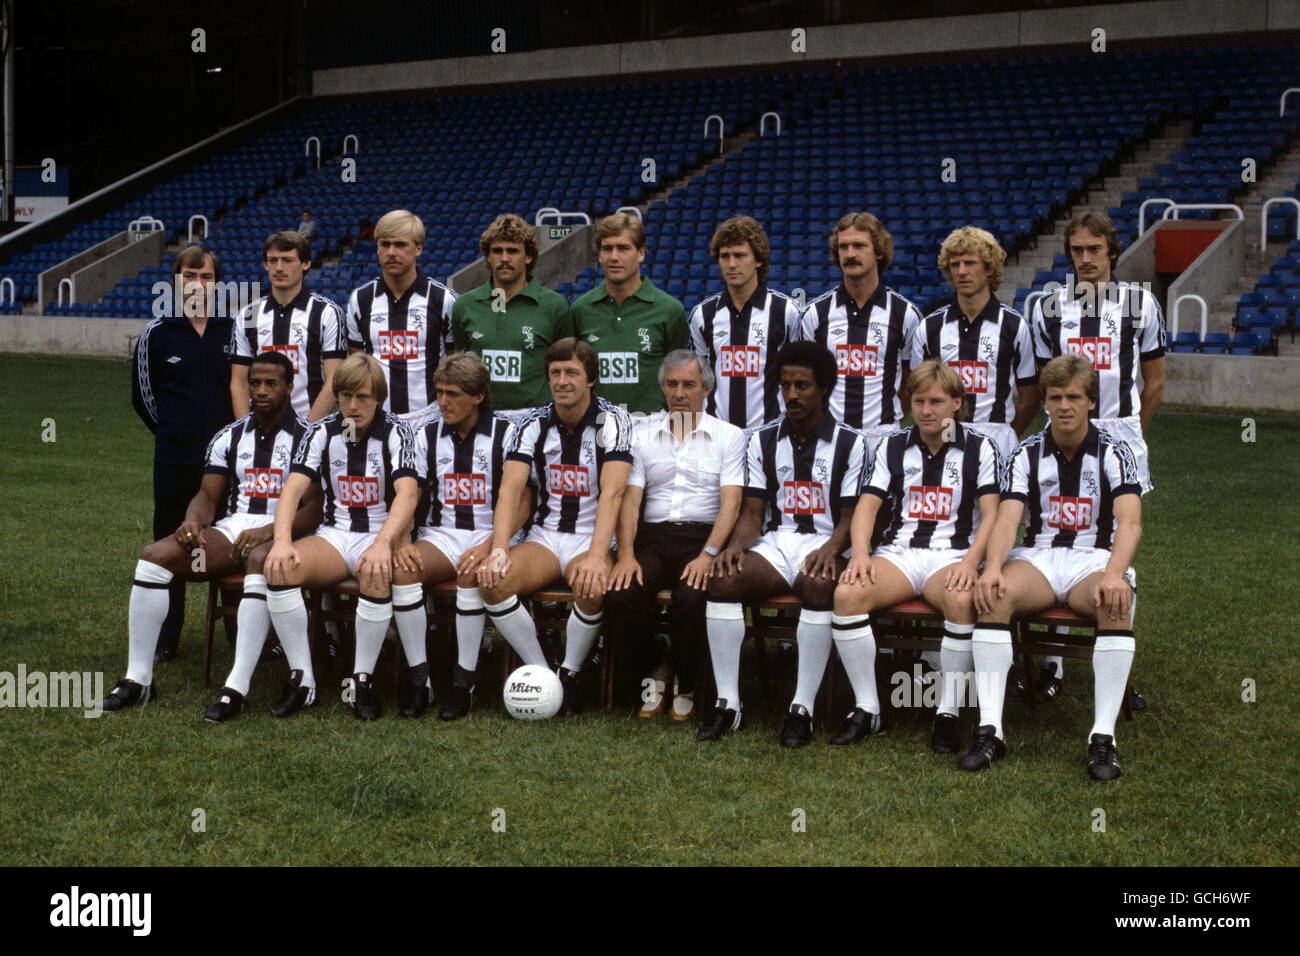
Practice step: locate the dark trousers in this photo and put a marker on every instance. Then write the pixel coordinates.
(173, 487)
(663, 551)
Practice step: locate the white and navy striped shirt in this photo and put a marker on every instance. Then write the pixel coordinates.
(254, 464)
(463, 475)
(992, 354)
(1070, 504)
(805, 484)
(357, 477)
(869, 345)
(566, 466)
(740, 346)
(1127, 330)
(309, 330)
(409, 336)
(935, 498)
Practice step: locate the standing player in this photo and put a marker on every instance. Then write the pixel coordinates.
(630, 323)
(988, 344)
(303, 325)
(459, 460)
(246, 465)
(942, 481)
(511, 320)
(403, 319)
(867, 326)
(364, 460)
(577, 452)
(740, 330)
(1119, 328)
(1079, 493)
(804, 473)
(180, 388)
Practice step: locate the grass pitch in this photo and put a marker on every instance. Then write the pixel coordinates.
(1209, 778)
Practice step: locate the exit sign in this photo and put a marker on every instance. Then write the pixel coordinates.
(559, 232)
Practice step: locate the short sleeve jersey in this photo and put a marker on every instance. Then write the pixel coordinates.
(512, 340)
(254, 463)
(631, 340)
(806, 484)
(565, 466)
(309, 329)
(357, 476)
(870, 349)
(936, 496)
(992, 355)
(463, 475)
(409, 335)
(1070, 503)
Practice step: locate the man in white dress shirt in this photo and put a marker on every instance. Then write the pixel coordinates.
(688, 472)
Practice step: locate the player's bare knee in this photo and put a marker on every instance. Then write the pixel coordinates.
(401, 576)
(255, 563)
(467, 581)
(851, 599)
(163, 553)
(817, 592)
(959, 606)
(727, 588)
(589, 606)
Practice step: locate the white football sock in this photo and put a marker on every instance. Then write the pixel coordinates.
(148, 610)
(992, 656)
(1112, 658)
(254, 620)
(726, 628)
(856, 644)
(956, 662)
(517, 627)
(289, 615)
(412, 621)
(813, 634)
(579, 634)
(373, 617)
(471, 621)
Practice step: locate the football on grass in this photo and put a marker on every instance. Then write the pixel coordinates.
(533, 692)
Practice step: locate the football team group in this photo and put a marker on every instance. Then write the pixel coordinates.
(513, 443)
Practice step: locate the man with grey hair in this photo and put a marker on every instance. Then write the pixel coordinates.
(688, 471)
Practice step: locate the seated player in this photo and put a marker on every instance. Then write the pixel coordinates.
(1079, 493)
(577, 451)
(364, 460)
(942, 483)
(804, 472)
(266, 437)
(458, 459)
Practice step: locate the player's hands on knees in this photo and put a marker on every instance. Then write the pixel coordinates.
(376, 566)
(406, 556)
(989, 589)
(861, 570)
(472, 559)
(589, 579)
(696, 573)
(251, 538)
(282, 559)
(729, 562)
(190, 535)
(1113, 596)
(494, 568)
(963, 576)
(625, 569)
(821, 563)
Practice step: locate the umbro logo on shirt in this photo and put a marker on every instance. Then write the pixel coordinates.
(477, 335)
(593, 338)
(173, 360)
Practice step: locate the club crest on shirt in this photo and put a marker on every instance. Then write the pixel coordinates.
(588, 455)
(297, 331)
(1090, 480)
(820, 471)
(527, 333)
(644, 335)
(372, 462)
(480, 460)
(1112, 327)
(758, 337)
(951, 472)
(281, 457)
(876, 333)
(987, 349)
(415, 319)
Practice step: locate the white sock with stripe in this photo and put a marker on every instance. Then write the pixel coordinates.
(813, 634)
(517, 627)
(580, 633)
(955, 662)
(726, 627)
(856, 644)
(992, 656)
(148, 610)
(1112, 659)
(374, 614)
(412, 621)
(254, 620)
(288, 613)
(471, 621)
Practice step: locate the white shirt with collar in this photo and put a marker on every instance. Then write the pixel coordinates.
(682, 479)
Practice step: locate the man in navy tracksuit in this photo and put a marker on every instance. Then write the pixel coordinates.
(180, 387)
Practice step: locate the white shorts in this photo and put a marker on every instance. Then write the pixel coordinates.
(232, 526)
(350, 545)
(786, 551)
(875, 434)
(1129, 431)
(564, 546)
(451, 543)
(919, 564)
(1002, 435)
(1064, 568)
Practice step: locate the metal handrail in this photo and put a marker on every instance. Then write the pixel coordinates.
(559, 215)
(1173, 211)
(721, 126)
(1281, 106)
(306, 148)
(1142, 211)
(356, 143)
(762, 123)
(72, 291)
(205, 225)
(632, 209)
(8, 283)
(1173, 315)
(1263, 217)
